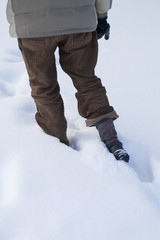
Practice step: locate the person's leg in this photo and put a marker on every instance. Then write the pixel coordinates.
(38, 54)
(78, 57)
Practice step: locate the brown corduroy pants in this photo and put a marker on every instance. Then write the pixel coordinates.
(78, 57)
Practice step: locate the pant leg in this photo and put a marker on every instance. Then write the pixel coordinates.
(78, 58)
(38, 54)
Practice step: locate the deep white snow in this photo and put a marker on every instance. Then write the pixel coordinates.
(49, 191)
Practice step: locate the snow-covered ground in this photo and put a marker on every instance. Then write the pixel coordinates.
(49, 191)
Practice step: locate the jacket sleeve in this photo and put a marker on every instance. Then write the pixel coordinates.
(102, 7)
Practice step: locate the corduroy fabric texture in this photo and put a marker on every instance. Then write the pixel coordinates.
(78, 57)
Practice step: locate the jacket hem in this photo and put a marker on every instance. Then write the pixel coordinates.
(49, 34)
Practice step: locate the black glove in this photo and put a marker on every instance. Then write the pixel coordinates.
(103, 28)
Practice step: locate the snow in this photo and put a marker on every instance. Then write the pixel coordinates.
(51, 191)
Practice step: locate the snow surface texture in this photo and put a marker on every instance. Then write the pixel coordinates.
(49, 191)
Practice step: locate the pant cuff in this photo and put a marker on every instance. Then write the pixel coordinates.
(92, 122)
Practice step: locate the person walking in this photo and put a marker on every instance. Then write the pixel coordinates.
(72, 26)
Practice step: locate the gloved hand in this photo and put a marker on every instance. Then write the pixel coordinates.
(103, 28)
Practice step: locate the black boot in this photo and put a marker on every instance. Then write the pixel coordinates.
(108, 135)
